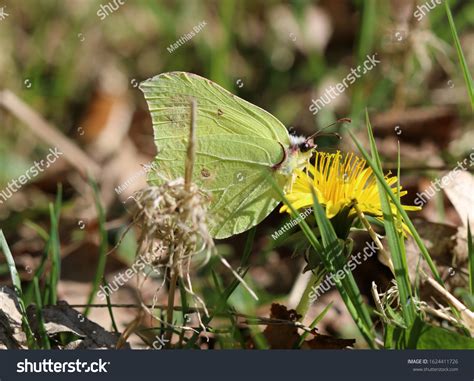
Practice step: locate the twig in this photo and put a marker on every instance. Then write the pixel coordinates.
(253, 319)
(49, 134)
(130, 305)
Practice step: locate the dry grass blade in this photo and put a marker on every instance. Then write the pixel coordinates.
(467, 315)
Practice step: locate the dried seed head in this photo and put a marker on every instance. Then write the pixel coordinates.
(173, 222)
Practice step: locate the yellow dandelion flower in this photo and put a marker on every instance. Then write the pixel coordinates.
(338, 180)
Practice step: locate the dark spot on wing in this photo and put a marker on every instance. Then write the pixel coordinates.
(220, 112)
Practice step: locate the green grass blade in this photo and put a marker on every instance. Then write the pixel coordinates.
(303, 224)
(58, 201)
(217, 282)
(109, 308)
(312, 325)
(232, 319)
(47, 290)
(395, 242)
(55, 256)
(38, 229)
(364, 47)
(394, 234)
(222, 303)
(15, 277)
(16, 281)
(367, 30)
(346, 287)
(39, 311)
(334, 254)
(399, 207)
(29, 293)
(51, 296)
(248, 247)
(258, 338)
(102, 260)
(462, 59)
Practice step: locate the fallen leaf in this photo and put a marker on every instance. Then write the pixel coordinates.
(282, 336)
(11, 333)
(63, 319)
(459, 191)
(286, 336)
(58, 319)
(328, 342)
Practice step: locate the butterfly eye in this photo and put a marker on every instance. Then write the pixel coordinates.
(306, 146)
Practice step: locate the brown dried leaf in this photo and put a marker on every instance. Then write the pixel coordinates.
(64, 319)
(282, 336)
(285, 336)
(11, 334)
(328, 342)
(58, 319)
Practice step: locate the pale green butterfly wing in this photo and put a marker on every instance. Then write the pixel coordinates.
(237, 144)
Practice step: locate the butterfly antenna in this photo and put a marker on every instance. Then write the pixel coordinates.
(319, 133)
(329, 134)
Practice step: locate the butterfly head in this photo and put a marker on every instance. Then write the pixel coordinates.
(307, 145)
(296, 156)
(301, 144)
